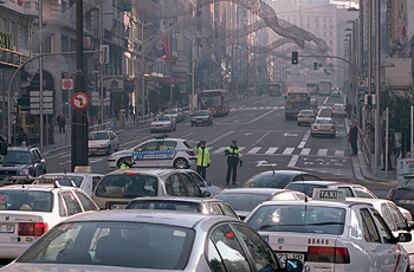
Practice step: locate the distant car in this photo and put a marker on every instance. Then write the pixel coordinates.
(403, 194)
(204, 185)
(163, 123)
(161, 151)
(278, 178)
(338, 110)
(178, 113)
(244, 200)
(323, 126)
(85, 182)
(29, 211)
(201, 117)
(306, 117)
(336, 93)
(102, 142)
(120, 241)
(209, 206)
(22, 161)
(117, 188)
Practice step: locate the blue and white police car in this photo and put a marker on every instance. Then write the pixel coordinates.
(160, 151)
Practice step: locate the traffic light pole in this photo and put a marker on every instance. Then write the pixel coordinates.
(79, 135)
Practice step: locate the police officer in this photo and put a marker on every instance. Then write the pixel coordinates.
(203, 158)
(125, 164)
(232, 153)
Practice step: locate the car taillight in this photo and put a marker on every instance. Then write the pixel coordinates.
(190, 153)
(333, 127)
(32, 229)
(328, 254)
(316, 127)
(107, 205)
(390, 194)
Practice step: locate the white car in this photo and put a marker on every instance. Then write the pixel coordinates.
(306, 117)
(29, 211)
(323, 126)
(102, 142)
(85, 182)
(157, 152)
(395, 221)
(177, 113)
(338, 110)
(163, 123)
(330, 235)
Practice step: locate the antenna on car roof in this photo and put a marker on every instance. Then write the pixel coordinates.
(72, 183)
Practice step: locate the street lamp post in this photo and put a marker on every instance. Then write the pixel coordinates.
(377, 83)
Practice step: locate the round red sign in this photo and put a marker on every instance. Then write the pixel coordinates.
(80, 101)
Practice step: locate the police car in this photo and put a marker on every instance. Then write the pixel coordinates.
(329, 233)
(158, 152)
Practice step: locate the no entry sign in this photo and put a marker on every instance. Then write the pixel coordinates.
(80, 101)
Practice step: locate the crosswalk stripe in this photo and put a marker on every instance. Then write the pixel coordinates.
(339, 153)
(272, 150)
(322, 152)
(254, 150)
(305, 152)
(288, 151)
(220, 150)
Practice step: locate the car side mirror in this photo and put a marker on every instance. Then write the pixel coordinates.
(206, 194)
(410, 225)
(404, 237)
(293, 265)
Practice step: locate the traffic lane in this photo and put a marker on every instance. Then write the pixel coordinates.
(327, 165)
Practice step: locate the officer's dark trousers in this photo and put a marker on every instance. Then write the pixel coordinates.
(231, 171)
(202, 171)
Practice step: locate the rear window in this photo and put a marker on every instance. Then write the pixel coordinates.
(310, 113)
(300, 219)
(26, 200)
(307, 189)
(243, 201)
(119, 244)
(186, 144)
(127, 186)
(165, 205)
(63, 180)
(99, 136)
(268, 181)
(164, 118)
(323, 121)
(201, 113)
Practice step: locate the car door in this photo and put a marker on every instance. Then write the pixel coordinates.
(174, 186)
(167, 152)
(86, 202)
(145, 154)
(114, 140)
(42, 160)
(72, 204)
(37, 167)
(191, 188)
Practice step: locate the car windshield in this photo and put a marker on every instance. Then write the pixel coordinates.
(63, 180)
(165, 205)
(324, 121)
(201, 113)
(17, 157)
(163, 118)
(99, 136)
(26, 200)
(110, 243)
(407, 183)
(307, 113)
(305, 188)
(268, 181)
(243, 201)
(298, 218)
(127, 186)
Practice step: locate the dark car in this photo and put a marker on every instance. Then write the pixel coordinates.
(202, 117)
(22, 161)
(278, 178)
(403, 194)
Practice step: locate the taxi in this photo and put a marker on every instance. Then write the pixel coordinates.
(160, 151)
(329, 233)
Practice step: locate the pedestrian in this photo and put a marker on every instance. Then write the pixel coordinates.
(353, 138)
(348, 110)
(61, 123)
(125, 164)
(232, 153)
(203, 158)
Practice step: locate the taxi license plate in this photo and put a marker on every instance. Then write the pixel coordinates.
(117, 206)
(6, 228)
(283, 256)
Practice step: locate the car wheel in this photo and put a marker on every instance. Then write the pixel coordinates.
(181, 163)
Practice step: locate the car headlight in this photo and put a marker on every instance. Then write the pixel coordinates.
(24, 172)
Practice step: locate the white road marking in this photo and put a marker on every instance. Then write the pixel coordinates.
(221, 137)
(305, 152)
(97, 160)
(66, 162)
(220, 150)
(339, 153)
(322, 152)
(304, 139)
(326, 100)
(293, 161)
(261, 138)
(66, 155)
(260, 117)
(254, 150)
(290, 135)
(288, 151)
(272, 150)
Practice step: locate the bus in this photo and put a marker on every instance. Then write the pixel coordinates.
(325, 88)
(215, 101)
(295, 101)
(312, 88)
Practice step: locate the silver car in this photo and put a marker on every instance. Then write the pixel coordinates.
(103, 142)
(163, 123)
(306, 117)
(149, 240)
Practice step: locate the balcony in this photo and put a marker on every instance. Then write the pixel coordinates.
(23, 7)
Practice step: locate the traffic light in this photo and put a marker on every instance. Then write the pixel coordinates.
(369, 101)
(295, 57)
(315, 66)
(104, 54)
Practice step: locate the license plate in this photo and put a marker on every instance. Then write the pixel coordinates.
(117, 206)
(199, 121)
(283, 256)
(6, 228)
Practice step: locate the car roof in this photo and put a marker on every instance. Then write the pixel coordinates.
(34, 187)
(144, 171)
(339, 204)
(20, 148)
(69, 174)
(283, 172)
(173, 218)
(367, 200)
(164, 139)
(258, 191)
(315, 182)
(100, 131)
(323, 118)
(174, 198)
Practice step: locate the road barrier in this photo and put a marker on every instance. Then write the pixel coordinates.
(103, 126)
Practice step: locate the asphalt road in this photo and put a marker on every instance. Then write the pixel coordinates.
(266, 139)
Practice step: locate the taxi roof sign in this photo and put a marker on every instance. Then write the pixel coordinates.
(328, 194)
(82, 169)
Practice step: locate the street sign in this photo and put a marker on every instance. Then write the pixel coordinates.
(80, 100)
(67, 84)
(48, 102)
(104, 54)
